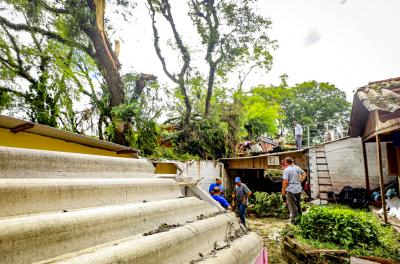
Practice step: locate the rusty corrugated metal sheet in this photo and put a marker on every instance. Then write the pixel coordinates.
(376, 108)
(381, 95)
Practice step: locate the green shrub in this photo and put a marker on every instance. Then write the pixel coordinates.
(340, 226)
(268, 205)
(344, 228)
(273, 174)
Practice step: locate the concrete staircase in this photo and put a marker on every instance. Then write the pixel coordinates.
(74, 208)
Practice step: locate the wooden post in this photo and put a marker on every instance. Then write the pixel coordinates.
(382, 183)
(366, 167)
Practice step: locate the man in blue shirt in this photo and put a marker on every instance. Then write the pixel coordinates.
(217, 197)
(217, 183)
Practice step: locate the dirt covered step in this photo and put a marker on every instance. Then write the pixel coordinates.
(39, 237)
(243, 250)
(177, 245)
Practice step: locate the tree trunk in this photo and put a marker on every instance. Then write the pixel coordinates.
(109, 66)
(210, 86)
(100, 128)
(188, 106)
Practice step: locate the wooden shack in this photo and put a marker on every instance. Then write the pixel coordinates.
(375, 118)
(253, 170)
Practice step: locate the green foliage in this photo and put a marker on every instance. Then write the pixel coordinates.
(271, 110)
(273, 174)
(234, 37)
(36, 73)
(139, 115)
(205, 138)
(46, 67)
(245, 33)
(344, 228)
(213, 137)
(341, 226)
(316, 105)
(263, 110)
(268, 205)
(5, 100)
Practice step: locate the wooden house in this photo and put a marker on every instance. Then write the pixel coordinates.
(375, 119)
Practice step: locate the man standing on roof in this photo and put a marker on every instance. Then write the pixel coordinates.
(298, 134)
(216, 195)
(291, 187)
(217, 183)
(241, 195)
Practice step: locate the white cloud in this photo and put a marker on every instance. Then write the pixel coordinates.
(313, 37)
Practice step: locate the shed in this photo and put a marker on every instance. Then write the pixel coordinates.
(262, 172)
(375, 118)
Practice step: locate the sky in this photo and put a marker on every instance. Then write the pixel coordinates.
(345, 42)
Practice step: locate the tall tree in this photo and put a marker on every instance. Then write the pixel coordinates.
(38, 73)
(234, 34)
(316, 104)
(163, 7)
(263, 110)
(79, 24)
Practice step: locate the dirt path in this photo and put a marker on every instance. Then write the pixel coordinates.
(269, 229)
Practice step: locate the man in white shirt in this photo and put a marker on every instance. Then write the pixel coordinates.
(298, 133)
(291, 187)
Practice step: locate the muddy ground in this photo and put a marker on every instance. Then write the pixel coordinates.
(269, 229)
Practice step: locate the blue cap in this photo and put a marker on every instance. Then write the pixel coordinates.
(237, 179)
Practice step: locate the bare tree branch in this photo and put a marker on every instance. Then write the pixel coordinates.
(47, 33)
(141, 82)
(165, 9)
(53, 9)
(18, 93)
(157, 43)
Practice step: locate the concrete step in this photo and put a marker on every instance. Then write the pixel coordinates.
(30, 163)
(241, 251)
(178, 245)
(39, 237)
(31, 196)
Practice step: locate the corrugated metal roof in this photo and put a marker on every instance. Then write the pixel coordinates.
(381, 95)
(12, 123)
(376, 108)
(268, 140)
(266, 155)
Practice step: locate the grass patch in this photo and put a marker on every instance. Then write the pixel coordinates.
(269, 229)
(338, 227)
(265, 204)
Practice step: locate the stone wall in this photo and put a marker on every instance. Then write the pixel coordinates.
(205, 171)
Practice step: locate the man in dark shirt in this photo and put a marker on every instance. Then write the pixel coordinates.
(241, 196)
